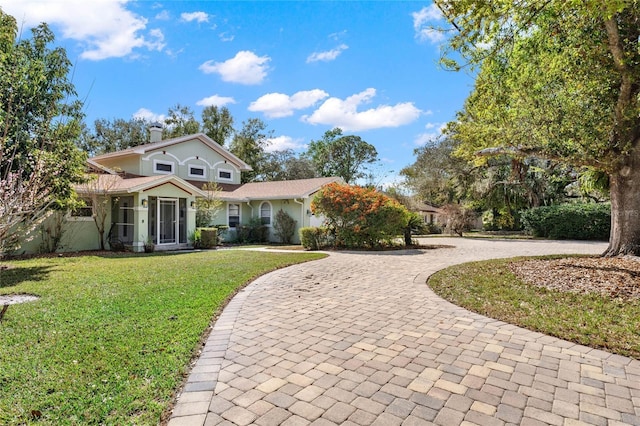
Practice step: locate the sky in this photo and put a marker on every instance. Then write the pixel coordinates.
(370, 68)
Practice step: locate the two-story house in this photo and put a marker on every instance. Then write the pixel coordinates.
(149, 194)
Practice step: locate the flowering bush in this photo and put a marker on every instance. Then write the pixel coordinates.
(359, 217)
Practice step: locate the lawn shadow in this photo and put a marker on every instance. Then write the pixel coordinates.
(13, 276)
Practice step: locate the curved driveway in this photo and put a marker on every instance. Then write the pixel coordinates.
(359, 339)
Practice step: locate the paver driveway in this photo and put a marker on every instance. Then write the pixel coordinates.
(359, 338)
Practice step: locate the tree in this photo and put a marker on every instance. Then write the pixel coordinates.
(343, 156)
(249, 144)
(207, 207)
(285, 165)
(360, 216)
(180, 122)
(95, 193)
(39, 124)
(217, 123)
(557, 80)
(115, 135)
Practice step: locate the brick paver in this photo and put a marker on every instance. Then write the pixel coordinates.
(360, 339)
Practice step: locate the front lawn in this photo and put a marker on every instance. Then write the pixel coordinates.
(491, 289)
(110, 338)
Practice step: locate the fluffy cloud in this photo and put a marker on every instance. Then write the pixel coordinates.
(434, 131)
(344, 113)
(328, 55)
(244, 68)
(276, 105)
(199, 17)
(147, 115)
(422, 24)
(216, 100)
(105, 28)
(281, 143)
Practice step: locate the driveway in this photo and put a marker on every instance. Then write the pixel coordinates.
(359, 339)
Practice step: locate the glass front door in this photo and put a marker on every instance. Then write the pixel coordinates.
(168, 220)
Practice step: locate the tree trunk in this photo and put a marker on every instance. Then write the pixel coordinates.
(625, 208)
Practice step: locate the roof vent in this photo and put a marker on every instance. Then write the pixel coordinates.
(155, 132)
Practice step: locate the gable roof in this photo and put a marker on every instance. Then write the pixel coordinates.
(148, 147)
(113, 184)
(277, 190)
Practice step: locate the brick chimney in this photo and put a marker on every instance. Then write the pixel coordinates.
(155, 132)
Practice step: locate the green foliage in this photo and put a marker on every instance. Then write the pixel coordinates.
(217, 123)
(40, 120)
(314, 238)
(569, 221)
(360, 217)
(111, 338)
(207, 207)
(284, 226)
(254, 232)
(180, 122)
(114, 135)
(249, 144)
(459, 218)
(285, 165)
(208, 237)
(343, 156)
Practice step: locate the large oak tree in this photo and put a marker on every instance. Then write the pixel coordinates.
(558, 80)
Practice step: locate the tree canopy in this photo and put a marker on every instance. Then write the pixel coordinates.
(557, 80)
(40, 121)
(343, 156)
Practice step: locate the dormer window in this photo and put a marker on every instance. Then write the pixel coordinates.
(197, 172)
(163, 167)
(225, 174)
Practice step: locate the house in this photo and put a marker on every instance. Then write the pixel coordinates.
(430, 214)
(148, 193)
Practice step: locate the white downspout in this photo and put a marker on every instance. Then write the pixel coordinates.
(249, 204)
(301, 212)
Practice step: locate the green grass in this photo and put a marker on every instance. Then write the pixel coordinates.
(111, 338)
(489, 288)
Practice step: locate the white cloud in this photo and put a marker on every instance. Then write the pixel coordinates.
(281, 143)
(244, 68)
(226, 37)
(199, 17)
(344, 113)
(422, 24)
(104, 28)
(427, 137)
(328, 55)
(276, 105)
(216, 100)
(148, 115)
(163, 16)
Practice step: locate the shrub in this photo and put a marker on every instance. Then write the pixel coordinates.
(359, 216)
(284, 226)
(313, 238)
(254, 232)
(459, 218)
(569, 221)
(208, 237)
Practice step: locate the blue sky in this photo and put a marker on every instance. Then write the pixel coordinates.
(370, 68)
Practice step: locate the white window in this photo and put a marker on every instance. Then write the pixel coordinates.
(225, 174)
(197, 172)
(265, 213)
(163, 167)
(234, 215)
(84, 212)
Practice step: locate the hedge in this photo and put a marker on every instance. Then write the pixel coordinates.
(569, 221)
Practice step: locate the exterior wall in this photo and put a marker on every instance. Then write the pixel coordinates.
(191, 153)
(78, 234)
(299, 210)
(125, 164)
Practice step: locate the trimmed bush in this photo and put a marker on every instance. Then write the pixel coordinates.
(208, 237)
(254, 232)
(313, 238)
(569, 221)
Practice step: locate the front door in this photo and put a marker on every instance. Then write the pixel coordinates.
(168, 220)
